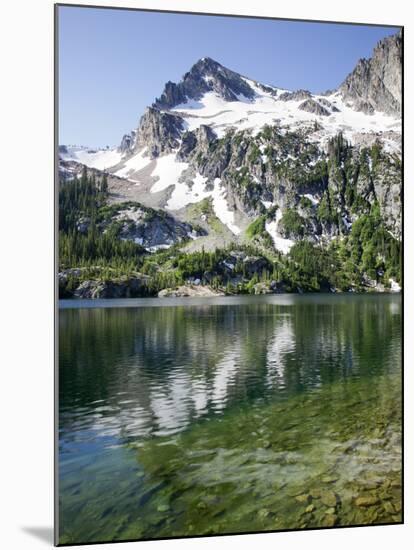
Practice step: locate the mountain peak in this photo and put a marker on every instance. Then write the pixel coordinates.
(206, 75)
(206, 62)
(207, 65)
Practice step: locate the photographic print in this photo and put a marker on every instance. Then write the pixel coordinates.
(229, 198)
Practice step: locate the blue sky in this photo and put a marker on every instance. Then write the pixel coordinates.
(113, 63)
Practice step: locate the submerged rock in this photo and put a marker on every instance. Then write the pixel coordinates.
(329, 479)
(388, 507)
(367, 500)
(329, 498)
(303, 499)
(330, 521)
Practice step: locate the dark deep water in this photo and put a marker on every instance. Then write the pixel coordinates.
(228, 415)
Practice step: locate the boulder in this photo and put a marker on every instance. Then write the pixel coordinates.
(186, 291)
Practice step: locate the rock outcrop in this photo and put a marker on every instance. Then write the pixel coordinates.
(133, 287)
(376, 83)
(88, 283)
(159, 132)
(312, 106)
(201, 138)
(152, 229)
(298, 95)
(187, 291)
(128, 143)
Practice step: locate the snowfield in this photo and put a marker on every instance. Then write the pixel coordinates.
(101, 159)
(265, 108)
(184, 194)
(133, 164)
(221, 208)
(167, 170)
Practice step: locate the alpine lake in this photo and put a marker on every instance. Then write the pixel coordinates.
(184, 417)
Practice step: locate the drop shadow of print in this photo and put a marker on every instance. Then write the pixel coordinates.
(42, 533)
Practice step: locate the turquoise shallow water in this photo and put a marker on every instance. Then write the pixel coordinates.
(181, 417)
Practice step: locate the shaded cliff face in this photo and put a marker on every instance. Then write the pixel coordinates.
(159, 132)
(128, 142)
(376, 83)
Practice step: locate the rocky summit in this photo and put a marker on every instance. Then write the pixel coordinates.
(220, 161)
(204, 77)
(375, 84)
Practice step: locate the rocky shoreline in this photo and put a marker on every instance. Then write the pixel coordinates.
(138, 287)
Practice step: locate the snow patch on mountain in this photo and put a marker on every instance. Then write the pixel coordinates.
(221, 208)
(314, 200)
(281, 244)
(184, 194)
(101, 159)
(133, 164)
(167, 170)
(258, 90)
